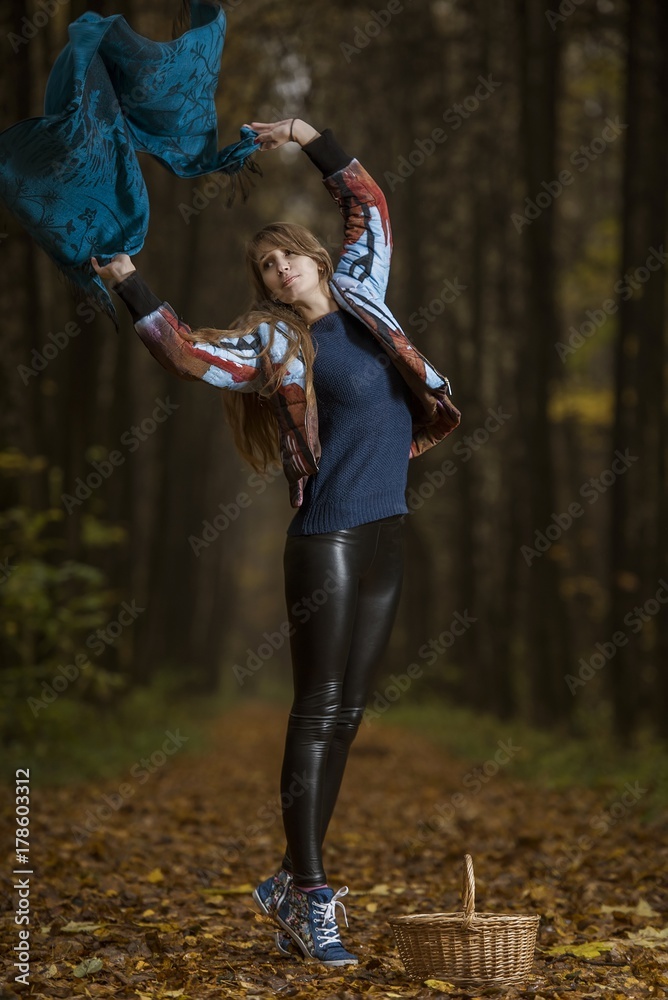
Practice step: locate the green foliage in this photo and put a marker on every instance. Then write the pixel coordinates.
(79, 741)
(50, 606)
(550, 759)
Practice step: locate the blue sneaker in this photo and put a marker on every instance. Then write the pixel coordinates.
(286, 945)
(269, 894)
(310, 920)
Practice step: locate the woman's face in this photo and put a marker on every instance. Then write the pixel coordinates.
(288, 276)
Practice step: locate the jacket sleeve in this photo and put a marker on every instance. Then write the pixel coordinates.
(232, 365)
(367, 240)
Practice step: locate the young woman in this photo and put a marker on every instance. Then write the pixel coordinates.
(325, 379)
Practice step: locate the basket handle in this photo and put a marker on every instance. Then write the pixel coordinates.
(468, 892)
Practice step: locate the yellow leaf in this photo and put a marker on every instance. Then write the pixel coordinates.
(438, 984)
(591, 949)
(237, 890)
(155, 876)
(372, 907)
(648, 937)
(379, 890)
(51, 972)
(148, 913)
(641, 909)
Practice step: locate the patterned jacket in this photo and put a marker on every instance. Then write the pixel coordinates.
(358, 285)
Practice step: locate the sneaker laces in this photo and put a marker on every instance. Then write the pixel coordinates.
(325, 913)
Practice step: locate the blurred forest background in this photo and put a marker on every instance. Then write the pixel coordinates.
(522, 150)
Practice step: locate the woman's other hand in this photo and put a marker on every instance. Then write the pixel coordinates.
(119, 267)
(271, 135)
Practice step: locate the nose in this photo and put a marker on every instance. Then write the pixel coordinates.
(283, 265)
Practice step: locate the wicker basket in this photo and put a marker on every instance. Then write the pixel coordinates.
(467, 948)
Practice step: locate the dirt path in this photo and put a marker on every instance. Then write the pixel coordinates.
(154, 902)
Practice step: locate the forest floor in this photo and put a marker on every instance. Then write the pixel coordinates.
(140, 887)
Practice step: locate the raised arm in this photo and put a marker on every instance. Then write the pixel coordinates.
(367, 240)
(367, 236)
(233, 365)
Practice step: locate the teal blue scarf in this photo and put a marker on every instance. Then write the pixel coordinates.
(72, 177)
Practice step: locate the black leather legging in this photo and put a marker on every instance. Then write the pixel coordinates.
(351, 580)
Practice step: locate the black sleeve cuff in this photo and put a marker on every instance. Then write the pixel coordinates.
(137, 296)
(325, 152)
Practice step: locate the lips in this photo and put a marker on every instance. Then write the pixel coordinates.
(290, 280)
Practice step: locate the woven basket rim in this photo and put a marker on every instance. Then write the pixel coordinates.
(487, 918)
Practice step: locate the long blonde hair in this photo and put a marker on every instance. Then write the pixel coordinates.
(253, 422)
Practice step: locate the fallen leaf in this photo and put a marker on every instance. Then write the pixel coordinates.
(590, 949)
(155, 876)
(237, 890)
(79, 928)
(641, 909)
(87, 966)
(648, 937)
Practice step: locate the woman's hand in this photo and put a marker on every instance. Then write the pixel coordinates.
(271, 135)
(119, 267)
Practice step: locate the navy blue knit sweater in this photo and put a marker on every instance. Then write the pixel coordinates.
(364, 426)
